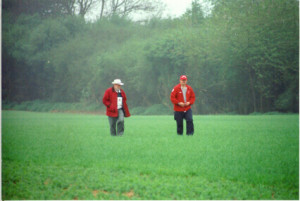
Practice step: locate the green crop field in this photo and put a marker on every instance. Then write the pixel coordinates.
(73, 156)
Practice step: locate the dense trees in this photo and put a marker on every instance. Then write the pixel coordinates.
(242, 57)
(264, 37)
(105, 8)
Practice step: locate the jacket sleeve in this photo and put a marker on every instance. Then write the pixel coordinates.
(173, 97)
(193, 97)
(106, 99)
(124, 96)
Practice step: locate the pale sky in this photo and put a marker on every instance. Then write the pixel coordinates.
(175, 8)
(172, 8)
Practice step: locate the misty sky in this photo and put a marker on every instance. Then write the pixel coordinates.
(171, 8)
(175, 8)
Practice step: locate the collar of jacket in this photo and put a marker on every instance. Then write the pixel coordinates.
(179, 86)
(113, 89)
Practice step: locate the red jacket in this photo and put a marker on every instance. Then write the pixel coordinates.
(110, 101)
(177, 96)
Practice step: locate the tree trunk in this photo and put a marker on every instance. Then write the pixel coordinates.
(102, 9)
(252, 92)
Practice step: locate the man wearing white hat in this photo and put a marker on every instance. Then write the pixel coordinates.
(116, 107)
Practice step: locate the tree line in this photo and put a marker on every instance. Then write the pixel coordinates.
(103, 8)
(241, 57)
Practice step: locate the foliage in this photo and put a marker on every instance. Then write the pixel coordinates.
(157, 109)
(82, 8)
(44, 8)
(55, 156)
(43, 106)
(241, 58)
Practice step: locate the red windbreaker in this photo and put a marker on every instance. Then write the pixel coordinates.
(110, 101)
(177, 96)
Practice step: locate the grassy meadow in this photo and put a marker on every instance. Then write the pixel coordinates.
(72, 156)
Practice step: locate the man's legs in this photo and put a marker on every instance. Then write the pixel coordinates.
(120, 122)
(112, 125)
(179, 120)
(189, 122)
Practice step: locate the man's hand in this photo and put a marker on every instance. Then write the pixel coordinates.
(187, 103)
(181, 104)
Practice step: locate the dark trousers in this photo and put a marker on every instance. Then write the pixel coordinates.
(188, 116)
(117, 122)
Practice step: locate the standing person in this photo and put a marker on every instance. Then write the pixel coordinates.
(116, 107)
(183, 96)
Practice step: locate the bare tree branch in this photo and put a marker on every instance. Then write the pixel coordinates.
(126, 7)
(69, 5)
(85, 6)
(138, 5)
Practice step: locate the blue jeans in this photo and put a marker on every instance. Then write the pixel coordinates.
(188, 116)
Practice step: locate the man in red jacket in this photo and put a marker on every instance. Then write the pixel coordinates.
(116, 107)
(183, 96)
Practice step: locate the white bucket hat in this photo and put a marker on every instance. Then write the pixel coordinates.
(118, 82)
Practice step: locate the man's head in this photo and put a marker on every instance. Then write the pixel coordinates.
(117, 84)
(183, 80)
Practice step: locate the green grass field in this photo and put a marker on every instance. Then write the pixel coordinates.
(73, 156)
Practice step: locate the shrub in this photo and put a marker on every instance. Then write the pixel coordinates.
(158, 109)
(44, 106)
(138, 110)
(273, 113)
(8, 105)
(256, 113)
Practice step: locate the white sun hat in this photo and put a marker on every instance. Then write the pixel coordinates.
(118, 82)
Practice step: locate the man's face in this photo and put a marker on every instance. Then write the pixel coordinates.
(117, 87)
(183, 82)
